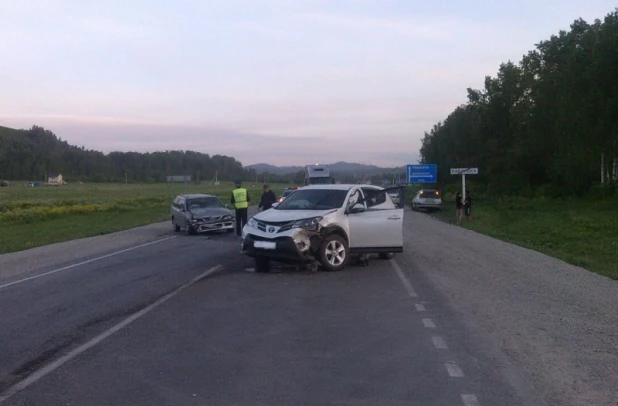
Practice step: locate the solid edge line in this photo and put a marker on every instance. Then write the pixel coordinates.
(19, 386)
(83, 262)
(403, 278)
(470, 400)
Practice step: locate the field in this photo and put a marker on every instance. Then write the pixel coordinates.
(580, 232)
(36, 216)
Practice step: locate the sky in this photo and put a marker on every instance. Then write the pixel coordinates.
(286, 82)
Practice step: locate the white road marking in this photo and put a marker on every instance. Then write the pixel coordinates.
(470, 400)
(403, 278)
(439, 343)
(454, 370)
(420, 308)
(428, 323)
(34, 377)
(84, 262)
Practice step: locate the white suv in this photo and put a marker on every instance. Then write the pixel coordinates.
(325, 225)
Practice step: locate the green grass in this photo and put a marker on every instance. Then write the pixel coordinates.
(32, 217)
(580, 232)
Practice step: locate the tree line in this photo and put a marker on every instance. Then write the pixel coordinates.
(34, 153)
(547, 125)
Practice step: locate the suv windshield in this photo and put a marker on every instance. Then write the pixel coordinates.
(314, 199)
(287, 192)
(203, 203)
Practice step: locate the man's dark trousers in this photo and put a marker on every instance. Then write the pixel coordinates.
(241, 215)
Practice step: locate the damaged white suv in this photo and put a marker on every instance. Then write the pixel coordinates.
(325, 225)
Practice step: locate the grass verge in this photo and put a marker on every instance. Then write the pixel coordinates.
(17, 237)
(32, 217)
(580, 232)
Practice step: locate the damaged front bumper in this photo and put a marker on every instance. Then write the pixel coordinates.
(297, 246)
(205, 226)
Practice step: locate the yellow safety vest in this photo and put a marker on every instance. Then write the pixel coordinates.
(240, 198)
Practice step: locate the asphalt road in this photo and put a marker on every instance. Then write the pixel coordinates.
(450, 322)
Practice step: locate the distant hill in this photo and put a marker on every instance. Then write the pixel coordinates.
(337, 167)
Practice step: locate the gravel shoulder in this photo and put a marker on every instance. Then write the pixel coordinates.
(555, 324)
(30, 262)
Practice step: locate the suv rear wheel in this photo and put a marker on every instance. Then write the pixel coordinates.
(387, 255)
(333, 253)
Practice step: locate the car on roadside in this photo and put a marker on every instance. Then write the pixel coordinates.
(286, 192)
(427, 199)
(200, 213)
(325, 225)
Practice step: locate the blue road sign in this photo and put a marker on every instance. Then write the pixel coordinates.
(426, 173)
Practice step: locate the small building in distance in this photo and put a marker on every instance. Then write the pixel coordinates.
(55, 179)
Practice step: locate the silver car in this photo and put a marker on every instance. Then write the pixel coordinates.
(427, 199)
(199, 213)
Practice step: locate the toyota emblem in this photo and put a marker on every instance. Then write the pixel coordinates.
(271, 229)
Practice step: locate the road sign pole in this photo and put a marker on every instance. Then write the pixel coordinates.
(463, 186)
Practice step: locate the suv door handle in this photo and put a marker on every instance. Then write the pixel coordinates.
(394, 218)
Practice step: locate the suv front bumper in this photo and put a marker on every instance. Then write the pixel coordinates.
(284, 249)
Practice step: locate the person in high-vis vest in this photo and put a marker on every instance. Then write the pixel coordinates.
(240, 200)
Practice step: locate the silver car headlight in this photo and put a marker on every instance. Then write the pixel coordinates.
(227, 217)
(308, 224)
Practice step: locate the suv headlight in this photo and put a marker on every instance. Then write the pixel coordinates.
(308, 224)
(252, 223)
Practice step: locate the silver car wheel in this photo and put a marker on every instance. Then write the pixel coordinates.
(335, 253)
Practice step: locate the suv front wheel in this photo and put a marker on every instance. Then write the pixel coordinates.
(333, 253)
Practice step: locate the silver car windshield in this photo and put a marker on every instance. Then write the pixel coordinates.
(204, 203)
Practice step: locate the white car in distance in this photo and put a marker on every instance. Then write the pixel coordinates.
(325, 225)
(427, 199)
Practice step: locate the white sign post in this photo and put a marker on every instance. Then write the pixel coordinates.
(463, 172)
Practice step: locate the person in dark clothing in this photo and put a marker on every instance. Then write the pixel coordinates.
(268, 198)
(468, 204)
(459, 206)
(240, 200)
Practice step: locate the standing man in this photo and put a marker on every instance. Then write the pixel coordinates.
(268, 198)
(468, 205)
(459, 207)
(240, 199)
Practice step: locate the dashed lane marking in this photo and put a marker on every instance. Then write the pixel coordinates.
(84, 262)
(404, 280)
(470, 400)
(429, 323)
(454, 370)
(420, 308)
(439, 343)
(34, 377)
